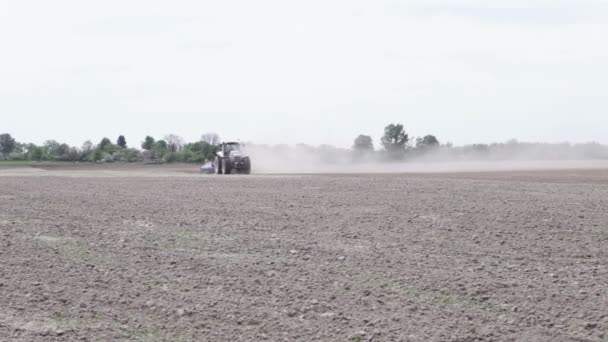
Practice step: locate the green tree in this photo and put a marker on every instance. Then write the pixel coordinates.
(364, 143)
(127, 155)
(428, 141)
(148, 143)
(20, 152)
(97, 155)
(62, 152)
(73, 155)
(395, 139)
(159, 149)
(197, 152)
(122, 142)
(209, 151)
(171, 157)
(34, 152)
(49, 150)
(106, 145)
(87, 151)
(175, 143)
(161, 144)
(7, 144)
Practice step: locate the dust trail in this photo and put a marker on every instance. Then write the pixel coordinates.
(304, 159)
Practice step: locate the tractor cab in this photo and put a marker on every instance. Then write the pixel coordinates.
(225, 149)
(229, 147)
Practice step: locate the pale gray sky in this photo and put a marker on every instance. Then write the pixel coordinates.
(314, 71)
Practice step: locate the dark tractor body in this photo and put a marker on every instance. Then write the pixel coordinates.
(230, 159)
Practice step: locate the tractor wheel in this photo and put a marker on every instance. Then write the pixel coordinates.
(218, 166)
(247, 168)
(226, 166)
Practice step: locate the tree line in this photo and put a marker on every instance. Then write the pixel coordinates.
(395, 144)
(170, 149)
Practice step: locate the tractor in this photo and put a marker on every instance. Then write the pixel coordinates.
(229, 158)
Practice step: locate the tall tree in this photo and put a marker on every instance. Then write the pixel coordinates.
(87, 151)
(159, 149)
(7, 144)
(122, 142)
(106, 145)
(162, 144)
(211, 138)
(96, 155)
(49, 149)
(63, 152)
(87, 146)
(34, 152)
(428, 141)
(148, 143)
(364, 143)
(395, 138)
(175, 143)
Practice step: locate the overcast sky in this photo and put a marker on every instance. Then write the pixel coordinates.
(314, 71)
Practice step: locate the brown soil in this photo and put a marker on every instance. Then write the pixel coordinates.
(462, 257)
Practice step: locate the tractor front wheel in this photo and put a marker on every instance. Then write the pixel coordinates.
(247, 168)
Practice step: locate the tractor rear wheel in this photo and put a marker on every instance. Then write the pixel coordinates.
(217, 166)
(226, 166)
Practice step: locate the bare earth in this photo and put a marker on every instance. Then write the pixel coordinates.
(171, 256)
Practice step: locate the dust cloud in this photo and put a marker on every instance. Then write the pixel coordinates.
(303, 159)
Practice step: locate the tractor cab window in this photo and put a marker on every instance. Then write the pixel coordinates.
(232, 147)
